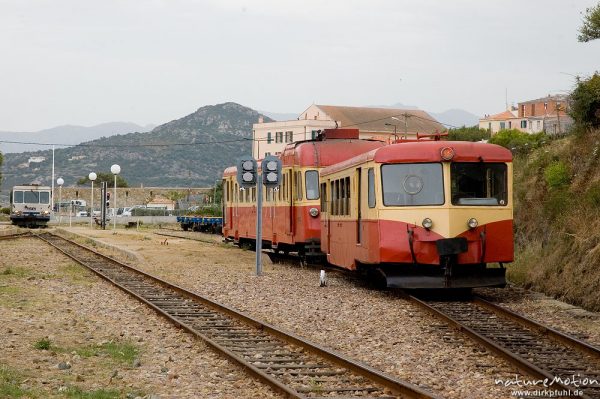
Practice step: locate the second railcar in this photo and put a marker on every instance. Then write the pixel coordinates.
(290, 213)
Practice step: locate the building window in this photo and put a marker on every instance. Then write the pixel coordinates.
(522, 110)
(538, 125)
(289, 137)
(269, 138)
(279, 137)
(313, 134)
(509, 124)
(532, 109)
(523, 124)
(502, 125)
(545, 106)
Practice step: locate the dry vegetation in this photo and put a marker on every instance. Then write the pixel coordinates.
(557, 211)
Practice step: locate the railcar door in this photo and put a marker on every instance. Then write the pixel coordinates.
(289, 217)
(359, 205)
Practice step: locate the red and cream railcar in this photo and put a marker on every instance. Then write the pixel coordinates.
(291, 213)
(422, 214)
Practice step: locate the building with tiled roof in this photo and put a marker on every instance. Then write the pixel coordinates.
(373, 123)
(548, 114)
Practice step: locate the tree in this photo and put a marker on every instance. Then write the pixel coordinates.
(104, 177)
(590, 30)
(585, 102)
(473, 133)
(517, 140)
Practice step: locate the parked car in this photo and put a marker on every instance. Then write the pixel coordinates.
(126, 211)
(82, 214)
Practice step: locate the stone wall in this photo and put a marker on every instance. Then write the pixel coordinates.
(134, 195)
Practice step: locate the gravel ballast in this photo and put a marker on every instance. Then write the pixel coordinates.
(93, 338)
(376, 327)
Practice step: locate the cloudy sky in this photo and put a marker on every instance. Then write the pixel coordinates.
(151, 61)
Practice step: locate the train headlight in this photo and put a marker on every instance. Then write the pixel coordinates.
(427, 223)
(314, 212)
(472, 223)
(447, 153)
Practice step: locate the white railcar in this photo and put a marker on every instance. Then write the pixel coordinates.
(30, 205)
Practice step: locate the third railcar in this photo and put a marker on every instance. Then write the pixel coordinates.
(422, 214)
(30, 205)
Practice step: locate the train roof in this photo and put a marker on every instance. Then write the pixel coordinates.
(427, 151)
(321, 153)
(31, 187)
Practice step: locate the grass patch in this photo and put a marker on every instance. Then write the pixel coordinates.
(14, 271)
(43, 344)
(10, 382)
(123, 352)
(76, 273)
(9, 296)
(78, 393)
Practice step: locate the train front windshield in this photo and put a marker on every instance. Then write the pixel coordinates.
(479, 184)
(31, 197)
(412, 184)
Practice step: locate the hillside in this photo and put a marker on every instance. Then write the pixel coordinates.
(67, 134)
(557, 213)
(209, 140)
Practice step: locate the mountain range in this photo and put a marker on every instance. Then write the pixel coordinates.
(190, 151)
(67, 134)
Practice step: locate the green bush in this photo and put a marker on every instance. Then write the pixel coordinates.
(5, 211)
(473, 133)
(592, 195)
(556, 203)
(515, 139)
(557, 175)
(585, 102)
(43, 344)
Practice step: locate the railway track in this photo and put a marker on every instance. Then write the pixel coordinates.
(288, 363)
(536, 350)
(15, 235)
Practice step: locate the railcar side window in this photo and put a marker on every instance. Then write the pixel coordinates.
(371, 182)
(312, 184)
(44, 197)
(323, 197)
(479, 184)
(18, 197)
(412, 184)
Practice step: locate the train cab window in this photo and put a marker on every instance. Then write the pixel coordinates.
(31, 197)
(18, 197)
(44, 197)
(371, 185)
(312, 184)
(479, 184)
(416, 184)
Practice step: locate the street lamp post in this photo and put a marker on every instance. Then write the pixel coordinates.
(115, 170)
(60, 183)
(92, 176)
(405, 115)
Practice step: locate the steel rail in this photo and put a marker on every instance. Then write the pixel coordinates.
(398, 387)
(525, 366)
(552, 333)
(15, 235)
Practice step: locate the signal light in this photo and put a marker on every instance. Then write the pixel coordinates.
(247, 171)
(271, 171)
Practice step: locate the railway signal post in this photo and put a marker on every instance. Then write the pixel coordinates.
(248, 176)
